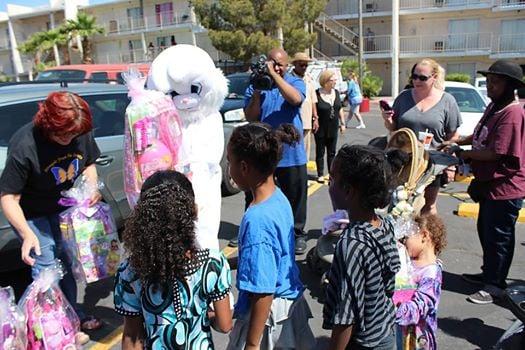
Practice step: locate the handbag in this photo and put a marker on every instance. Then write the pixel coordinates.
(478, 190)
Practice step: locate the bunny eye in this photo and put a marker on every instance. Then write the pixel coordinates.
(174, 93)
(196, 88)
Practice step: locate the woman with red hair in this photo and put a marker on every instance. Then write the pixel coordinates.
(44, 158)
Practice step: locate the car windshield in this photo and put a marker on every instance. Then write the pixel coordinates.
(61, 74)
(238, 86)
(468, 100)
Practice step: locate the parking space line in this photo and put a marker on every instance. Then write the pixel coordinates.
(114, 337)
(109, 341)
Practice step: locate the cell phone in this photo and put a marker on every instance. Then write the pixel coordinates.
(384, 105)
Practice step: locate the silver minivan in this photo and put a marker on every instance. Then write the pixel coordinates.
(18, 105)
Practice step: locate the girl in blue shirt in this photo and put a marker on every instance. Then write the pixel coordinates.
(271, 311)
(355, 98)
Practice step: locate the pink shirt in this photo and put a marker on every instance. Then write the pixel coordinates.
(503, 133)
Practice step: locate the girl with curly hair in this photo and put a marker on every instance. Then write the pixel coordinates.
(271, 311)
(166, 284)
(417, 317)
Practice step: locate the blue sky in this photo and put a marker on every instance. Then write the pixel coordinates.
(35, 3)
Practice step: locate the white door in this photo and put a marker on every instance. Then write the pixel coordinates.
(463, 34)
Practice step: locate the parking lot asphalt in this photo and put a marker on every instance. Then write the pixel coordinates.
(462, 325)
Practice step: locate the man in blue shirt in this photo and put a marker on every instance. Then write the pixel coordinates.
(282, 104)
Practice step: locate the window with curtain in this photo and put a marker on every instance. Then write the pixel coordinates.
(463, 34)
(511, 38)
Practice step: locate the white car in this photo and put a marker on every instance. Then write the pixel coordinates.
(470, 102)
(481, 84)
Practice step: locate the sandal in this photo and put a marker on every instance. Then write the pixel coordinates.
(90, 323)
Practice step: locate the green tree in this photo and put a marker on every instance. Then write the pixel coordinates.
(246, 28)
(460, 77)
(84, 26)
(371, 84)
(35, 45)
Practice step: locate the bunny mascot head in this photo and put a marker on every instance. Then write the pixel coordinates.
(198, 89)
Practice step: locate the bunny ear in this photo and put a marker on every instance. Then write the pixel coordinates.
(218, 89)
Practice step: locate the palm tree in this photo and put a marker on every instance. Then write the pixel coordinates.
(55, 38)
(34, 45)
(84, 26)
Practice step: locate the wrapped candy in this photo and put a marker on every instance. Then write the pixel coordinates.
(338, 220)
(52, 324)
(89, 233)
(13, 334)
(405, 287)
(152, 135)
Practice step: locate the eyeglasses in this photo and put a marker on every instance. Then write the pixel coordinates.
(420, 77)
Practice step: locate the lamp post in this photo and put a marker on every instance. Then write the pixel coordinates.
(360, 54)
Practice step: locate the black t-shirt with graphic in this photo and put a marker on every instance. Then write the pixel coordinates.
(40, 169)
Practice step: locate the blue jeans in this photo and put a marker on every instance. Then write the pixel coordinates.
(496, 229)
(47, 230)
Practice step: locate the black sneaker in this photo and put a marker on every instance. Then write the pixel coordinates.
(476, 278)
(234, 242)
(300, 245)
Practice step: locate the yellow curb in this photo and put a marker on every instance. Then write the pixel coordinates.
(311, 165)
(470, 210)
(109, 341)
(229, 251)
(463, 179)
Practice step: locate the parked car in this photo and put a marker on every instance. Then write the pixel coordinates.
(470, 102)
(19, 103)
(93, 72)
(481, 84)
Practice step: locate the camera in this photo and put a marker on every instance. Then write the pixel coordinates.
(260, 77)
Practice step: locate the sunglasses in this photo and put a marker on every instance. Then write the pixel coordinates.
(415, 76)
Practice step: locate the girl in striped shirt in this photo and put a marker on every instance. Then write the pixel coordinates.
(358, 308)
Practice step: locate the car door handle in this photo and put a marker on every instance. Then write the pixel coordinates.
(104, 160)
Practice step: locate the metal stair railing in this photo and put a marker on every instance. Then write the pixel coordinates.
(338, 32)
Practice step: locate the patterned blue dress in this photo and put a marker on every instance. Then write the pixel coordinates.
(175, 316)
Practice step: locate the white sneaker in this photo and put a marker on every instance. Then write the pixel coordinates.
(361, 126)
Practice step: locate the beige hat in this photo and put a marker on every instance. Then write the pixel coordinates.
(301, 56)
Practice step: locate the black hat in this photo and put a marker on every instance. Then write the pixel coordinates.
(507, 69)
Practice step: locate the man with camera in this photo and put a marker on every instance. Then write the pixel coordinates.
(275, 97)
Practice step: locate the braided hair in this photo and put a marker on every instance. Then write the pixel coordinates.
(371, 171)
(161, 229)
(261, 146)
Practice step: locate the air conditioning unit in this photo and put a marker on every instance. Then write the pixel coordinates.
(113, 26)
(371, 7)
(439, 3)
(438, 45)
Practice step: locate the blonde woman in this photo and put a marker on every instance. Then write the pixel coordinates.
(330, 119)
(426, 108)
(355, 98)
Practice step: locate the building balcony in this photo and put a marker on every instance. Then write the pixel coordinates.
(470, 44)
(418, 6)
(129, 56)
(379, 46)
(4, 44)
(508, 5)
(508, 46)
(374, 8)
(130, 25)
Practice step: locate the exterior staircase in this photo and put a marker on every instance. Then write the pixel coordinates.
(339, 33)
